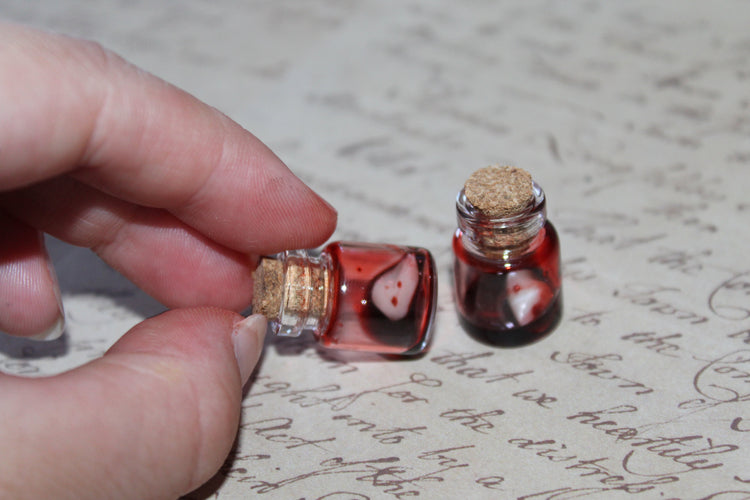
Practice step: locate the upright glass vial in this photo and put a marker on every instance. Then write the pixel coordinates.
(506, 259)
(354, 296)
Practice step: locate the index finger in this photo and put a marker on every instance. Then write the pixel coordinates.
(135, 137)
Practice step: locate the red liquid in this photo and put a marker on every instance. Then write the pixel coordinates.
(357, 323)
(512, 302)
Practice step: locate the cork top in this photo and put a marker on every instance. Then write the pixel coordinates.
(267, 287)
(499, 191)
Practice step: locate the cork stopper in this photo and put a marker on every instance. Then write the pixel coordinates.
(499, 191)
(500, 211)
(267, 287)
(291, 288)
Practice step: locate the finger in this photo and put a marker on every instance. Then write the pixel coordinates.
(30, 303)
(153, 418)
(169, 260)
(135, 137)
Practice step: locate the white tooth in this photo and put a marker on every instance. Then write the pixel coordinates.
(522, 304)
(524, 293)
(392, 292)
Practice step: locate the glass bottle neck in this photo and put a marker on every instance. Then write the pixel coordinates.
(501, 238)
(304, 287)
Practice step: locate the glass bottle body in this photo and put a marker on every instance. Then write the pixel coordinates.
(379, 298)
(510, 302)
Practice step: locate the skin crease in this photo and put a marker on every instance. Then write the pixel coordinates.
(179, 199)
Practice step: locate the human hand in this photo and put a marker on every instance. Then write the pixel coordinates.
(178, 198)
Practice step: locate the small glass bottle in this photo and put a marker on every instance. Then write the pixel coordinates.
(354, 296)
(507, 283)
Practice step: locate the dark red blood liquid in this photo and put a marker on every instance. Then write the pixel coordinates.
(483, 296)
(357, 324)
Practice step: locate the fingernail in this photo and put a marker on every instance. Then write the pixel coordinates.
(247, 338)
(53, 332)
(59, 327)
(52, 272)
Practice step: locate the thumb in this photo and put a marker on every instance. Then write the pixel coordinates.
(153, 418)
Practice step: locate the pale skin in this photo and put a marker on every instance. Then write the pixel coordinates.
(178, 198)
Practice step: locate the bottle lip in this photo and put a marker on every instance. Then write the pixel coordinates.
(468, 212)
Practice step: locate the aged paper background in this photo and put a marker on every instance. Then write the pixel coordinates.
(633, 116)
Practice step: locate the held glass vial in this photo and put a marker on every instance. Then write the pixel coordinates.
(354, 296)
(507, 283)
